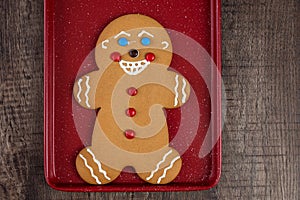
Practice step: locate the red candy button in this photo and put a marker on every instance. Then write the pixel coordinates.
(129, 134)
(150, 57)
(132, 91)
(130, 112)
(115, 56)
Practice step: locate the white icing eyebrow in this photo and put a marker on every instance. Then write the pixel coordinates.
(122, 33)
(145, 32)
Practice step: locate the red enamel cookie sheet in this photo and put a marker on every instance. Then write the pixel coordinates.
(163, 59)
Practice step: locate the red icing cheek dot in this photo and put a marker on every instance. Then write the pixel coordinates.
(115, 56)
(150, 57)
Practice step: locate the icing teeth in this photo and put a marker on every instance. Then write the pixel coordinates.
(134, 68)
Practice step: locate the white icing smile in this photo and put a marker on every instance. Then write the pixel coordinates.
(134, 68)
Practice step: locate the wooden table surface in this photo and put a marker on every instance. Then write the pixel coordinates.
(261, 74)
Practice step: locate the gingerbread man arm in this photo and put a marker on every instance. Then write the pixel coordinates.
(172, 88)
(84, 90)
(180, 88)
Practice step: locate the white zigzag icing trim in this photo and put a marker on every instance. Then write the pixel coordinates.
(79, 91)
(183, 91)
(99, 165)
(90, 168)
(87, 91)
(165, 171)
(157, 166)
(176, 92)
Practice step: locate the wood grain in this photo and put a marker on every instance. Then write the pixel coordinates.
(261, 74)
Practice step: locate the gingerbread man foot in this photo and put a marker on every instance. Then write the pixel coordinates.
(92, 170)
(165, 170)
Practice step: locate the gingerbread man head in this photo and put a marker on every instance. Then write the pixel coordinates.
(133, 42)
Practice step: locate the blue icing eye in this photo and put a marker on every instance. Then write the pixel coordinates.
(123, 42)
(146, 41)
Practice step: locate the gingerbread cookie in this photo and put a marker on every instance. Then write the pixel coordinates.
(132, 86)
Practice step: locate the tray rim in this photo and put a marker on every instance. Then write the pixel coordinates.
(49, 122)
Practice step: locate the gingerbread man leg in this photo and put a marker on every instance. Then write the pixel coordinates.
(92, 170)
(165, 170)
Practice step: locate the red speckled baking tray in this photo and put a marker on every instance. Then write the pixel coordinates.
(72, 28)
